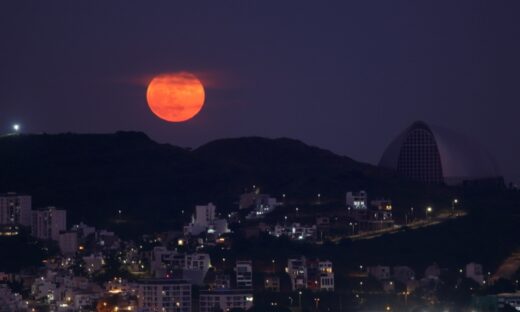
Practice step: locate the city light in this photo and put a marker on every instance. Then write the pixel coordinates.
(16, 127)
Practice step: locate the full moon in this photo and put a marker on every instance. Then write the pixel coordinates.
(175, 97)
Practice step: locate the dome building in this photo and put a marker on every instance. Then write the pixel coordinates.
(435, 155)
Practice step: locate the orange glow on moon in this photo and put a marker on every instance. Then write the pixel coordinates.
(175, 97)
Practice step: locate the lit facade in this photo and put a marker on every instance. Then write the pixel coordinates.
(163, 295)
(204, 220)
(244, 274)
(357, 200)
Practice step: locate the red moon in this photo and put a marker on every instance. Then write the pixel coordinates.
(175, 97)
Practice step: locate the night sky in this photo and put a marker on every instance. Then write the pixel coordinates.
(344, 75)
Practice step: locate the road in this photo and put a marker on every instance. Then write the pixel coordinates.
(440, 218)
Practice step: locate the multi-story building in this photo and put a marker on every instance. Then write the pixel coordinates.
(204, 214)
(204, 220)
(320, 275)
(15, 209)
(295, 231)
(326, 274)
(357, 201)
(244, 274)
(376, 217)
(314, 274)
(225, 300)
(189, 267)
(297, 270)
(165, 295)
(48, 223)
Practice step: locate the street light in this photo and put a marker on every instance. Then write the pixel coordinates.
(453, 203)
(16, 127)
(429, 210)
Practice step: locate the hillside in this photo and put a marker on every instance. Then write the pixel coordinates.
(95, 175)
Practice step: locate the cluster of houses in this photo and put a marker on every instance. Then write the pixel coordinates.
(388, 276)
(95, 270)
(163, 274)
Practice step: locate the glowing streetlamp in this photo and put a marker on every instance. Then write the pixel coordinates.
(16, 127)
(453, 204)
(429, 211)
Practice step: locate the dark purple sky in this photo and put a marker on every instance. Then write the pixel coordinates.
(343, 75)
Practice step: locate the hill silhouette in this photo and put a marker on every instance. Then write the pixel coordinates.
(94, 176)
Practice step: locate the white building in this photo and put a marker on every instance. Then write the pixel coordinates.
(48, 223)
(225, 300)
(15, 209)
(357, 200)
(204, 219)
(163, 295)
(244, 274)
(68, 242)
(295, 231)
(204, 215)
